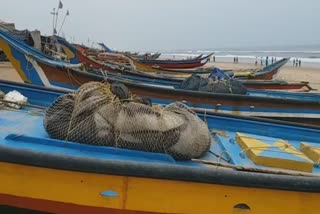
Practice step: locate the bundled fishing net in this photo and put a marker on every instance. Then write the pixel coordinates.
(198, 83)
(108, 115)
(3, 57)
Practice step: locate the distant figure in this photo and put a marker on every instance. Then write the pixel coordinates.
(256, 62)
(261, 62)
(299, 62)
(267, 61)
(272, 60)
(214, 58)
(294, 62)
(234, 59)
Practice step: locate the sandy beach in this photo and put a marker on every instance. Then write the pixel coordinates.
(7, 72)
(288, 73)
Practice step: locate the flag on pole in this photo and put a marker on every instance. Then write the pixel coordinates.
(60, 5)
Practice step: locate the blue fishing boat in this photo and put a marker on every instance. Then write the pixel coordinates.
(250, 162)
(36, 68)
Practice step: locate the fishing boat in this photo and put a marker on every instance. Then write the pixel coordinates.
(75, 55)
(136, 56)
(266, 73)
(251, 162)
(33, 67)
(171, 76)
(177, 64)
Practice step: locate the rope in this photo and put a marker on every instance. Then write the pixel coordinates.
(221, 157)
(285, 146)
(260, 170)
(70, 75)
(219, 132)
(22, 104)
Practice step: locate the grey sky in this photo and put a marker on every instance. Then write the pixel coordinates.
(175, 24)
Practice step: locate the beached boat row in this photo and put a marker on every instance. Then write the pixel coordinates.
(37, 68)
(249, 161)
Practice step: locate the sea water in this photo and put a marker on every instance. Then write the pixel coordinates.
(309, 58)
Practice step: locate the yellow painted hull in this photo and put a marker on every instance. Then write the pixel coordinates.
(149, 195)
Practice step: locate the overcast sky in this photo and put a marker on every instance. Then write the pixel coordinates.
(175, 24)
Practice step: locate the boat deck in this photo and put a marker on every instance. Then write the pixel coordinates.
(23, 129)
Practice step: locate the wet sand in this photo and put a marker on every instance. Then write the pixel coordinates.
(288, 73)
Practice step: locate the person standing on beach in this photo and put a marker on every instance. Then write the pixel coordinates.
(256, 62)
(261, 62)
(299, 62)
(294, 62)
(267, 61)
(272, 60)
(214, 58)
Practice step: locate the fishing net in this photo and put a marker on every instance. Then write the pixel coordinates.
(109, 115)
(3, 57)
(198, 83)
(1, 97)
(23, 35)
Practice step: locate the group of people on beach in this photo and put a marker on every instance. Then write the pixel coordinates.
(213, 58)
(273, 60)
(296, 62)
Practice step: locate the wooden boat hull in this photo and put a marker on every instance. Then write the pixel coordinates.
(177, 64)
(266, 73)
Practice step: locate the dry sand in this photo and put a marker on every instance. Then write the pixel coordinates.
(289, 73)
(7, 72)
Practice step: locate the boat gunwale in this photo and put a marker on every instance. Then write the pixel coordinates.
(208, 175)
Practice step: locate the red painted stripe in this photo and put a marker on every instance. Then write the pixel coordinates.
(59, 207)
